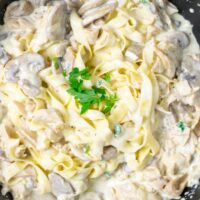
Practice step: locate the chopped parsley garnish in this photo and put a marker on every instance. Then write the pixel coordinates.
(144, 1)
(107, 77)
(110, 102)
(99, 83)
(88, 97)
(64, 73)
(107, 174)
(181, 126)
(56, 62)
(86, 149)
(117, 130)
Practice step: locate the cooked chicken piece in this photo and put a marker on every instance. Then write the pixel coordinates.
(24, 71)
(22, 189)
(180, 39)
(176, 185)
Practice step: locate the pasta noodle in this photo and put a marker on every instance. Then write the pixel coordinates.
(121, 61)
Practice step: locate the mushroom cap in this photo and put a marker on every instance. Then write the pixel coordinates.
(23, 70)
(18, 9)
(56, 27)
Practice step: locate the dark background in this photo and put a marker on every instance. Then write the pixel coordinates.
(184, 7)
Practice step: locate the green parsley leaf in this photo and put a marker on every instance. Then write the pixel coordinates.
(117, 130)
(87, 149)
(107, 77)
(181, 126)
(144, 1)
(107, 174)
(99, 83)
(85, 74)
(64, 73)
(110, 102)
(88, 97)
(56, 62)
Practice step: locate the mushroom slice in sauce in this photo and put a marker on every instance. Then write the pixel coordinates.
(24, 71)
(60, 186)
(4, 56)
(91, 12)
(18, 9)
(109, 152)
(56, 27)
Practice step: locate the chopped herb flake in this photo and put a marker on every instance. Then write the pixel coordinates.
(144, 1)
(99, 83)
(110, 102)
(107, 77)
(56, 62)
(181, 126)
(86, 149)
(64, 73)
(117, 130)
(88, 97)
(107, 174)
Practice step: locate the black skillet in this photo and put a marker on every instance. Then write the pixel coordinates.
(190, 9)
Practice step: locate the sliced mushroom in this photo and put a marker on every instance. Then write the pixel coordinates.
(90, 196)
(109, 152)
(18, 9)
(4, 56)
(24, 71)
(93, 10)
(59, 186)
(56, 27)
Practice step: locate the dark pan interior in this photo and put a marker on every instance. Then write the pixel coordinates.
(184, 7)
